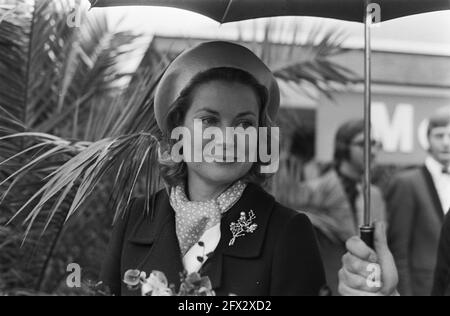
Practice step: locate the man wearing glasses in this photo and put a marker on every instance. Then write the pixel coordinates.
(335, 202)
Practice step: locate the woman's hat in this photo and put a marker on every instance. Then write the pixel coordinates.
(207, 56)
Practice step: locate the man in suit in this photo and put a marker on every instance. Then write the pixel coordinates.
(417, 202)
(442, 273)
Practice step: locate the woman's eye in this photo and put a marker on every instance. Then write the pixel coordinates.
(246, 124)
(209, 121)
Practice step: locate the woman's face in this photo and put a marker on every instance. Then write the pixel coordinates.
(222, 104)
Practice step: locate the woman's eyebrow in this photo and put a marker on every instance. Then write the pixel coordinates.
(207, 110)
(246, 113)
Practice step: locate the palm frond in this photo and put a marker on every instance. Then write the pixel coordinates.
(52, 77)
(125, 156)
(305, 59)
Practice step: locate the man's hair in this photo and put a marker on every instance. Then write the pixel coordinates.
(344, 137)
(441, 118)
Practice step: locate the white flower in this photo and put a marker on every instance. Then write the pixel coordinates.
(156, 285)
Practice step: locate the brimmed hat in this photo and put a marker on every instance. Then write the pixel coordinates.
(208, 56)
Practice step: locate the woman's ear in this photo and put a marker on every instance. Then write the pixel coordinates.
(165, 153)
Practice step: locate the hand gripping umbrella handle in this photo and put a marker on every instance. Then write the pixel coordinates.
(367, 235)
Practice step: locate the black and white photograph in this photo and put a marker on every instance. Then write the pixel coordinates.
(242, 149)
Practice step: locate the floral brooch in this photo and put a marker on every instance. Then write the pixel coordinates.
(243, 226)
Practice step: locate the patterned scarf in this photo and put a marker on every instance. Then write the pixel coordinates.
(194, 218)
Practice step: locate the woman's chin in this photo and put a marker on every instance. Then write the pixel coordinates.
(225, 172)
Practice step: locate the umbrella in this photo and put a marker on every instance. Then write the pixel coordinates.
(238, 10)
(366, 11)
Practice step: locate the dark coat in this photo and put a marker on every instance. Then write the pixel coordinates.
(280, 258)
(442, 273)
(415, 221)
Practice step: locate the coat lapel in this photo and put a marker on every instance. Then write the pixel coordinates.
(428, 179)
(248, 246)
(158, 242)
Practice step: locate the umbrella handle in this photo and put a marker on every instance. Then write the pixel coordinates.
(367, 235)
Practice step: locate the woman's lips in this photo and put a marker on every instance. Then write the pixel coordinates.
(229, 159)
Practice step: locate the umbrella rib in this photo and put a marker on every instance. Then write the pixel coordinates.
(226, 11)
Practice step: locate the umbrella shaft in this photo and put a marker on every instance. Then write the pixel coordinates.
(367, 117)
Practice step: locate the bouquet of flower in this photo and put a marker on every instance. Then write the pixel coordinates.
(156, 284)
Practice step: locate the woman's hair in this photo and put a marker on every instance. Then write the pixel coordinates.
(175, 173)
(344, 136)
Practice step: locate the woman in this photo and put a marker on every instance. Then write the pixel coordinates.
(193, 226)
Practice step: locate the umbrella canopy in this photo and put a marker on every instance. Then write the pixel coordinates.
(237, 10)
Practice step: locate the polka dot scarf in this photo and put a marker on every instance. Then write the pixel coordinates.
(194, 218)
